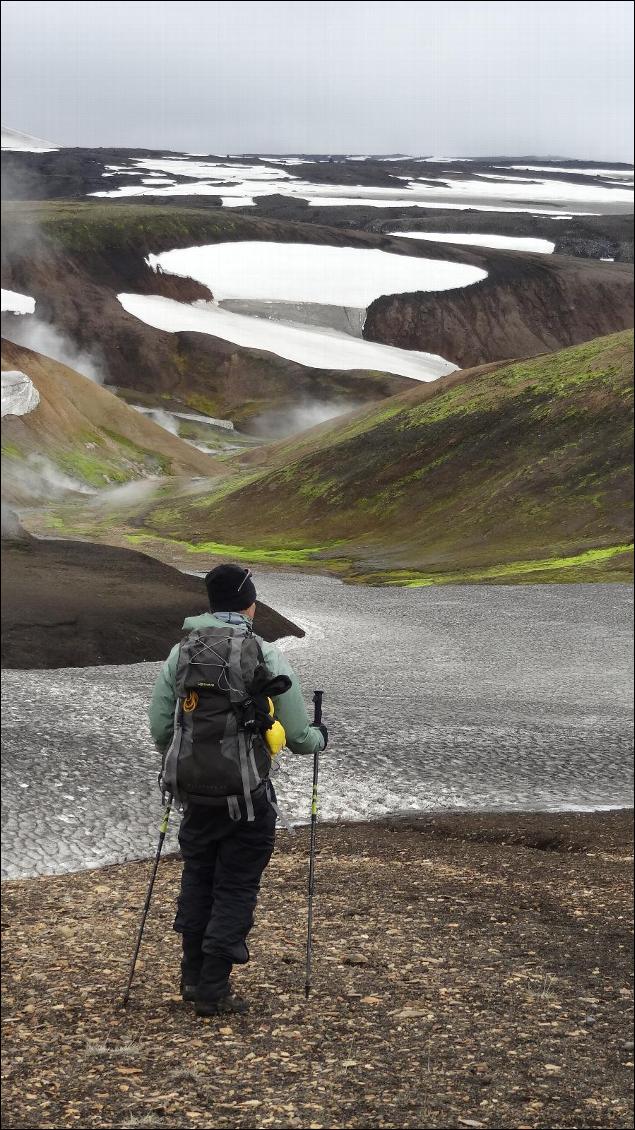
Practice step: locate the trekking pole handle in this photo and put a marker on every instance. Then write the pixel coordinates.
(317, 707)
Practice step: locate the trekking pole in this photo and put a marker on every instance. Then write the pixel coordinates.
(146, 906)
(317, 718)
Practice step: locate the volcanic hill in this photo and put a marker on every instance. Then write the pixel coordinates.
(512, 472)
(85, 433)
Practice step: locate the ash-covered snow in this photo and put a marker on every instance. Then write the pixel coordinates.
(457, 697)
(19, 394)
(506, 242)
(316, 347)
(14, 303)
(305, 272)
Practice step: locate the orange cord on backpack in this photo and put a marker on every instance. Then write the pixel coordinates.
(191, 702)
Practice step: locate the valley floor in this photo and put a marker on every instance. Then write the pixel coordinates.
(469, 970)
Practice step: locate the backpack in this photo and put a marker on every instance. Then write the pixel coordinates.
(219, 752)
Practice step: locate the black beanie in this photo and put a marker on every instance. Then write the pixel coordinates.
(230, 588)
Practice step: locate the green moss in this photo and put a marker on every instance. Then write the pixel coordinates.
(140, 455)
(97, 470)
(510, 571)
(11, 450)
(203, 404)
(538, 380)
(245, 553)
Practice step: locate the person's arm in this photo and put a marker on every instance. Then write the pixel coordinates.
(290, 709)
(163, 703)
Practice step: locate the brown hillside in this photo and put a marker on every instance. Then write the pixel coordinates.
(89, 432)
(521, 309)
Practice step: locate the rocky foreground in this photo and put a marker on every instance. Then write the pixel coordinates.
(469, 971)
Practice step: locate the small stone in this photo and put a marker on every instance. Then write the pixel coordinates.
(628, 1046)
(355, 959)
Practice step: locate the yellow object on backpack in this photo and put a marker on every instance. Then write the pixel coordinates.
(275, 736)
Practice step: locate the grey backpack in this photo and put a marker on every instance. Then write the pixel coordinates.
(218, 753)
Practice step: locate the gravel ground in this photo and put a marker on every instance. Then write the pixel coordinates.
(468, 971)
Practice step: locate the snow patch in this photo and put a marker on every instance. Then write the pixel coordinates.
(311, 346)
(563, 169)
(540, 191)
(367, 202)
(506, 242)
(13, 140)
(307, 272)
(19, 394)
(444, 160)
(14, 303)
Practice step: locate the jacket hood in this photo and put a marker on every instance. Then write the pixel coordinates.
(205, 620)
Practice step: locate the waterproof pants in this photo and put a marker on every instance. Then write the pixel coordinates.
(223, 862)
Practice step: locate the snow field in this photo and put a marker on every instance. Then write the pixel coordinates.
(311, 346)
(505, 242)
(305, 272)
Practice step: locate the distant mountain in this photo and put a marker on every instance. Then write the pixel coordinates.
(79, 435)
(520, 471)
(23, 142)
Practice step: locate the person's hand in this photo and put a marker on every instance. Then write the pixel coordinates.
(323, 730)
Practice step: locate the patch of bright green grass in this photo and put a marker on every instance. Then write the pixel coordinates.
(245, 553)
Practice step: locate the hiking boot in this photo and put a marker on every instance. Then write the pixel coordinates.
(222, 1006)
(191, 965)
(188, 991)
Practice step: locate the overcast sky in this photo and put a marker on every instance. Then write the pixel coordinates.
(455, 79)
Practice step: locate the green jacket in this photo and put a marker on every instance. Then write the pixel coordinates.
(290, 708)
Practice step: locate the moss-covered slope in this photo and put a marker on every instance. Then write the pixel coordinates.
(517, 472)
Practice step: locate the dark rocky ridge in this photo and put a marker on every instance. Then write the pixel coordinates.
(73, 604)
(524, 307)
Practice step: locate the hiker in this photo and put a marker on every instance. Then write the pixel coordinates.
(226, 840)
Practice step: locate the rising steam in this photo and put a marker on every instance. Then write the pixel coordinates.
(45, 338)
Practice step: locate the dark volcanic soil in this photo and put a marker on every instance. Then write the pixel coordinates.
(73, 604)
(469, 971)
